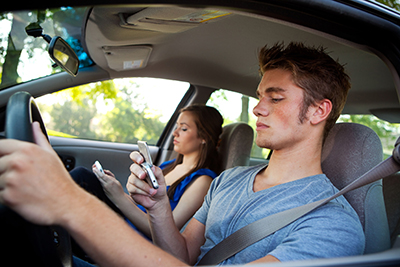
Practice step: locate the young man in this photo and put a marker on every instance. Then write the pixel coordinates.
(301, 94)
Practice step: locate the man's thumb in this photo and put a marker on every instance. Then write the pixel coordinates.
(39, 137)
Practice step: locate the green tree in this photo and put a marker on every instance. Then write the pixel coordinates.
(18, 41)
(73, 118)
(391, 3)
(15, 44)
(106, 90)
(244, 115)
(129, 121)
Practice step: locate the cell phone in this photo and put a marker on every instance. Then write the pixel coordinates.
(99, 167)
(147, 164)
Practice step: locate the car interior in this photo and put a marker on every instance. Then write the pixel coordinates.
(213, 45)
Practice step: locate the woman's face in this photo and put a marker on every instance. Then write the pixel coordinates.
(186, 139)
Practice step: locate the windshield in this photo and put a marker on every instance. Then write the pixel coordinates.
(24, 58)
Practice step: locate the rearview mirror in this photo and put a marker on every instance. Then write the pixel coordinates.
(59, 50)
(63, 55)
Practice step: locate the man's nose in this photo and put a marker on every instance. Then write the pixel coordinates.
(261, 109)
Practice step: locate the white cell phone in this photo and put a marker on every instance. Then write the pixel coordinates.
(147, 164)
(99, 167)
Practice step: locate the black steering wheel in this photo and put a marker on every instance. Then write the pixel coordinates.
(26, 243)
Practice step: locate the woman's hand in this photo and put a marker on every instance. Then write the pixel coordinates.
(112, 187)
(140, 191)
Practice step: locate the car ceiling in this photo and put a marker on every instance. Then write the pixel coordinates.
(222, 52)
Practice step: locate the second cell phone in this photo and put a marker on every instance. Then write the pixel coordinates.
(147, 164)
(99, 167)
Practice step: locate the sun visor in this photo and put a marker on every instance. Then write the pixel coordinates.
(168, 20)
(122, 58)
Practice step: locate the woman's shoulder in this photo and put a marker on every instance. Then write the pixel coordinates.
(166, 163)
(181, 187)
(194, 175)
(204, 171)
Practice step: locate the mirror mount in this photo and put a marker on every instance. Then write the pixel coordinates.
(34, 29)
(59, 50)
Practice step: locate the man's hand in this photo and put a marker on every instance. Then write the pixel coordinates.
(35, 184)
(33, 180)
(140, 191)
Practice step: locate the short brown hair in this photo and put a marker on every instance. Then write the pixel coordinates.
(314, 71)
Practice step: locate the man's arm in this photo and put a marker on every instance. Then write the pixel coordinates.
(109, 240)
(133, 214)
(268, 258)
(185, 246)
(164, 231)
(35, 184)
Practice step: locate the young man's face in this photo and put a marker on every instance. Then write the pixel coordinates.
(280, 101)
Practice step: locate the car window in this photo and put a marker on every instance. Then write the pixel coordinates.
(24, 58)
(119, 110)
(235, 107)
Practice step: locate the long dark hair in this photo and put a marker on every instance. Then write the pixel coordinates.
(209, 128)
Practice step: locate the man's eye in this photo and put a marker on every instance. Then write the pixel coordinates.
(276, 100)
(184, 129)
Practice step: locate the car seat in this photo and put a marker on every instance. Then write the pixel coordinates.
(391, 193)
(234, 148)
(235, 145)
(349, 151)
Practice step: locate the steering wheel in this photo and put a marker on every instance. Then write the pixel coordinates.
(27, 243)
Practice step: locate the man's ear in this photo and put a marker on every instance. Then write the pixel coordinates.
(321, 111)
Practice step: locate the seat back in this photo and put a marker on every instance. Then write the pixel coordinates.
(391, 194)
(234, 149)
(349, 151)
(235, 145)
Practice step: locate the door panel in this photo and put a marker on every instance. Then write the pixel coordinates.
(113, 156)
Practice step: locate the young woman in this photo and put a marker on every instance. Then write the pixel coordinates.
(188, 177)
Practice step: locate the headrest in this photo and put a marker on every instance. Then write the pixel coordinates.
(235, 145)
(351, 150)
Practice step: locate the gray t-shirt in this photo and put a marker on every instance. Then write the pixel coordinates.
(332, 230)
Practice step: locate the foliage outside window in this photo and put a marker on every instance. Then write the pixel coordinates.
(235, 107)
(120, 110)
(395, 4)
(24, 58)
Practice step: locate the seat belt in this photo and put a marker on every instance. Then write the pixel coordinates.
(262, 228)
